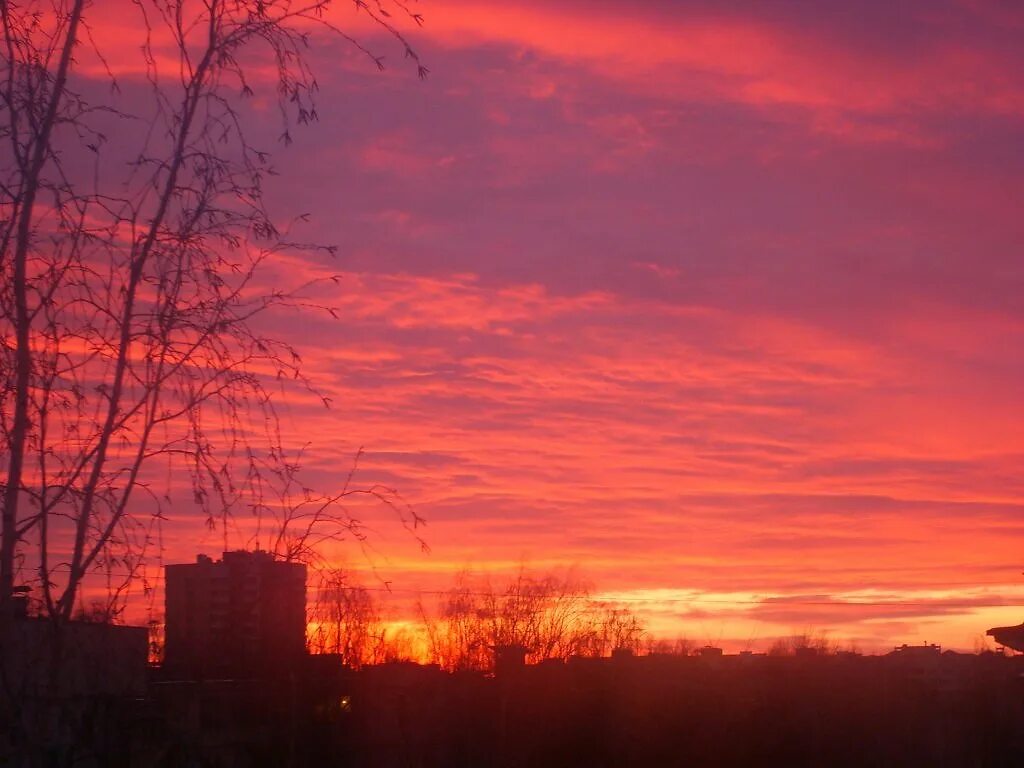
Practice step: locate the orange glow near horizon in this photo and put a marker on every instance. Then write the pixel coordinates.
(721, 309)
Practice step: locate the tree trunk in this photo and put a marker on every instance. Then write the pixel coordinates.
(23, 320)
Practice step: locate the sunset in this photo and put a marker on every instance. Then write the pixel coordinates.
(708, 314)
(706, 304)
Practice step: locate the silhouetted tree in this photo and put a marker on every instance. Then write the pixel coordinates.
(550, 616)
(807, 641)
(127, 299)
(346, 621)
(621, 629)
(680, 646)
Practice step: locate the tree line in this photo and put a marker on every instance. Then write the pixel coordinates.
(547, 615)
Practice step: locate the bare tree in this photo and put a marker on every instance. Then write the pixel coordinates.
(458, 636)
(814, 642)
(346, 620)
(128, 300)
(680, 646)
(549, 616)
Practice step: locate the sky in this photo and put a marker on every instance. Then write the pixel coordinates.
(719, 304)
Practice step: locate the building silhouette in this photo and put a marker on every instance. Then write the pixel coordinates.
(241, 616)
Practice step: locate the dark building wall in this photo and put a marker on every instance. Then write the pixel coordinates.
(66, 690)
(244, 615)
(91, 659)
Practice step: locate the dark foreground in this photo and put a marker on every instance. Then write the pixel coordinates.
(916, 707)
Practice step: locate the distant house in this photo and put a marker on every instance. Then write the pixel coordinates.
(241, 616)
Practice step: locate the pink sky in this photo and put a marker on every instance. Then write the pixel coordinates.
(722, 306)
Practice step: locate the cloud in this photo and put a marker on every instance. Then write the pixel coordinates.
(693, 297)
